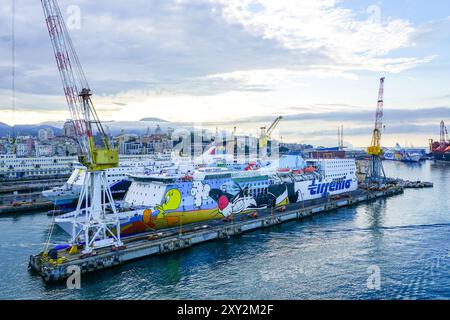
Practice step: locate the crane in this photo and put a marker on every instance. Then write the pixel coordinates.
(444, 134)
(94, 224)
(375, 173)
(341, 137)
(265, 134)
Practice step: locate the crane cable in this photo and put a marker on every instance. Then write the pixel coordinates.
(13, 65)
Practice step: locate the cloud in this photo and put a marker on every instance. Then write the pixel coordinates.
(234, 61)
(355, 116)
(206, 47)
(312, 26)
(366, 130)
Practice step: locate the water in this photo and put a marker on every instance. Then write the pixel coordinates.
(326, 257)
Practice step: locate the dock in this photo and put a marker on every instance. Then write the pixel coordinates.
(29, 206)
(169, 240)
(30, 185)
(18, 196)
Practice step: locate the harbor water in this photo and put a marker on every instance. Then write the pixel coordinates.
(331, 256)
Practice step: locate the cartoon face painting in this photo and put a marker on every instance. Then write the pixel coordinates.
(200, 192)
(229, 204)
(172, 200)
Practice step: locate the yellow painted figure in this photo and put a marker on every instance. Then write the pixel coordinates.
(172, 200)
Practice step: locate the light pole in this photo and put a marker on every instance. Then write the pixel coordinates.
(303, 200)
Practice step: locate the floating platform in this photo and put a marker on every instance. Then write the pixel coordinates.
(169, 240)
(417, 184)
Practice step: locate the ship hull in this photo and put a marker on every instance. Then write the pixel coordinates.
(403, 157)
(68, 199)
(442, 157)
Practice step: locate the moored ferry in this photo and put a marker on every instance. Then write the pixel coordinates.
(400, 154)
(66, 196)
(13, 167)
(172, 198)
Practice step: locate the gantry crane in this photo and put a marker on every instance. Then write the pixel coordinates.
(92, 222)
(265, 135)
(375, 172)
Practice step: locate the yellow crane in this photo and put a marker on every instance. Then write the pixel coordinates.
(375, 173)
(375, 147)
(265, 134)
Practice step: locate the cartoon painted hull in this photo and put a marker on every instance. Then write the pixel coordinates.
(402, 156)
(218, 204)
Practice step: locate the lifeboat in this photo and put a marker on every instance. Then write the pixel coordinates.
(310, 169)
(251, 166)
(283, 169)
(297, 171)
(187, 178)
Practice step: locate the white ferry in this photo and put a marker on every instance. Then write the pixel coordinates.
(171, 198)
(13, 167)
(400, 154)
(66, 196)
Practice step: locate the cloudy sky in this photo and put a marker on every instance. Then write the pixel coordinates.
(243, 62)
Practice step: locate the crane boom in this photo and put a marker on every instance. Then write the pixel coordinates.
(91, 220)
(77, 92)
(444, 134)
(265, 134)
(273, 126)
(375, 147)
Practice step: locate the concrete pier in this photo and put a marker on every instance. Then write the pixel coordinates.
(169, 240)
(27, 186)
(27, 206)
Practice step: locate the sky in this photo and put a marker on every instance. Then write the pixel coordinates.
(226, 63)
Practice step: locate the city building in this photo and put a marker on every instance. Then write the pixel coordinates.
(69, 129)
(45, 134)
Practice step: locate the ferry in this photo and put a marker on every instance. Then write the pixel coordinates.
(13, 167)
(173, 198)
(404, 155)
(66, 196)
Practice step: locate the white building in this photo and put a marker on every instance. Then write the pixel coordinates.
(22, 149)
(43, 150)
